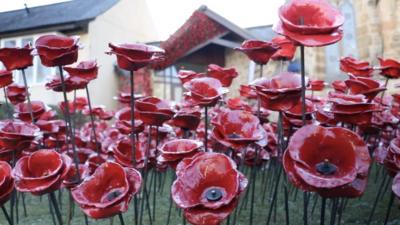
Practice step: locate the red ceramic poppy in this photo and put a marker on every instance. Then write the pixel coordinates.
(365, 86)
(187, 118)
(339, 86)
(310, 23)
(205, 91)
(57, 50)
(356, 67)
(108, 191)
(396, 185)
(392, 158)
(132, 57)
(206, 186)
(390, 68)
(327, 160)
(16, 93)
(287, 48)
(188, 75)
(6, 78)
(18, 134)
(316, 85)
(237, 104)
(224, 75)
(34, 176)
(296, 112)
(172, 152)
(99, 111)
(16, 58)
(258, 51)
(237, 128)
(71, 83)
(6, 182)
(122, 150)
(70, 179)
(123, 121)
(280, 92)
(247, 91)
(22, 110)
(86, 69)
(125, 97)
(75, 105)
(353, 109)
(154, 111)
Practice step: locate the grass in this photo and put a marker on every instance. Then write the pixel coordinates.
(356, 211)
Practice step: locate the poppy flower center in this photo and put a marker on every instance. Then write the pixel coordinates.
(326, 168)
(111, 196)
(234, 135)
(213, 194)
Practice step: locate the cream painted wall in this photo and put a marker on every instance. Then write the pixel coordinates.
(127, 21)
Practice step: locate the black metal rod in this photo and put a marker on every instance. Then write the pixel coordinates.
(9, 113)
(132, 104)
(322, 218)
(121, 219)
(27, 95)
(56, 208)
(253, 186)
(303, 85)
(389, 208)
(69, 123)
(6, 215)
(371, 214)
(92, 121)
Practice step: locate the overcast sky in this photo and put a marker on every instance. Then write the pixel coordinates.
(169, 15)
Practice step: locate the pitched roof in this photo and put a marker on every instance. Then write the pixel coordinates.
(64, 13)
(201, 29)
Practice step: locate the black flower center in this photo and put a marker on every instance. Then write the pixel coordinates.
(234, 135)
(111, 196)
(213, 195)
(326, 168)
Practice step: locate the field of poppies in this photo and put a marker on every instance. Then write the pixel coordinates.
(279, 154)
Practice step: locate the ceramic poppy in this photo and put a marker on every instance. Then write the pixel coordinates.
(57, 50)
(353, 109)
(71, 83)
(98, 111)
(6, 182)
(18, 134)
(154, 111)
(310, 23)
(327, 160)
(22, 110)
(172, 152)
(316, 85)
(237, 104)
(187, 75)
(132, 57)
(368, 87)
(356, 67)
(122, 151)
(16, 58)
(224, 75)
(33, 176)
(247, 91)
(74, 106)
(86, 69)
(108, 191)
(71, 177)
(237, 128)
(396, 186)
(207, 187)
(187, 118)
(339, 86)
(124, 124)
(390, 68)
(125, 97)
(16, 93)
(295, 114)
(391, 161)
(258, 51)
(287, 48)
(280, 92)
(6, 78)
(205, 91)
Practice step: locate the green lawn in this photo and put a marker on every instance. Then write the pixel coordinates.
(356, 211)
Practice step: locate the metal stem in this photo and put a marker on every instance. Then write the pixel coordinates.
(27, 95)
(92, 121)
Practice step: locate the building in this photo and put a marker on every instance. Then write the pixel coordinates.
(96, 22)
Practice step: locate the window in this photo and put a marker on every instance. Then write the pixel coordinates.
(36, 74)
